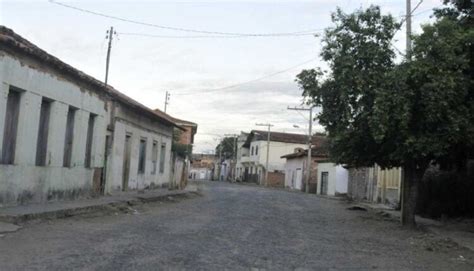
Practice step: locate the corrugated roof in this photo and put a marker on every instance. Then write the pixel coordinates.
(10, 40)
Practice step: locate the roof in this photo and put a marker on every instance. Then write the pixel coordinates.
(318, 152)
(181, 121)
(283, 137)
(9, 40)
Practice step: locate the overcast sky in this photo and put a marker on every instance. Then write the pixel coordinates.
(145, 67)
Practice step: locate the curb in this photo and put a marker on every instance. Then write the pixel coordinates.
(74, 211)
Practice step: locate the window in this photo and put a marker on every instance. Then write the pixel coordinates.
(90, 137)
(256, 150)
(69, 137)
(162, 157)
(142, 156)
(251, 151)
(154, 157)
(42, 142)
(11, 127)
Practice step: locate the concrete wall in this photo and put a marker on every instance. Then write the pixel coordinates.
(23, 181)
(362, 183)
(342, 179)
(375, 185)
(276, 179)
(337, 178)
(291, 180)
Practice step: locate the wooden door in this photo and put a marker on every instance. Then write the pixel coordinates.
(126, 162)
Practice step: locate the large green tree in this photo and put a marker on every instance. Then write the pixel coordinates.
(409, 115)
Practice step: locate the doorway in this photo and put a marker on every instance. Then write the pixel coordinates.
(324, 183)
(126, 162)
(299, 179)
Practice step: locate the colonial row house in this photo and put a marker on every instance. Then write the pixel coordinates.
(251, 161)
(64, 134)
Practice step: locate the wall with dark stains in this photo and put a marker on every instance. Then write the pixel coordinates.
(23, 181)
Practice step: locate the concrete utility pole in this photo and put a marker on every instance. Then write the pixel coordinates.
(268, 149)
(408, 24)
(235, 136)
(310, 136)
(167, 100)
(110, 37)
(219, 164)
(408, 58)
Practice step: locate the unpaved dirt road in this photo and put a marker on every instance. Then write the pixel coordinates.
(230, 227)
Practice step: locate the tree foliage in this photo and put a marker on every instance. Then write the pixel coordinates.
(358, 51)
(226, 147)
(409, 114)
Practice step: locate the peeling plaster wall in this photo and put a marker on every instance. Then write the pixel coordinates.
(23, 181)
(127, 121)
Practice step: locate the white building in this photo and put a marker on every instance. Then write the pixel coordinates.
(241, 152)
(333, 179)
(140, 154)
(253, 165)
(296, 167)
(57, 122)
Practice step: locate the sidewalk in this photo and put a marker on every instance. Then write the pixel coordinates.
(59, 209)
(459, 231)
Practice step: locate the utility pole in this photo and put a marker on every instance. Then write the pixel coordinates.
(408, 58)
(310, 136)
(110, 37)
(235, 136)
(268, 149)
(167, 100)
(408, 24)
(220, 163)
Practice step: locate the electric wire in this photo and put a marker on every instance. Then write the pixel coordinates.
(179, 28)
(246, 82)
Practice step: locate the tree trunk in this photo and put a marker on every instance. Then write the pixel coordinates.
(412, 174)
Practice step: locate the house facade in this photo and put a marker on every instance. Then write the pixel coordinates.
(253, 165)
(64, 134)
(139, 155)
(296, 167)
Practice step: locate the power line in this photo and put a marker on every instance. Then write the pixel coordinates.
(179, 28)
(215, 36)
(246, 82)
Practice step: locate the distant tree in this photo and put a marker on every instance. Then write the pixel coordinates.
(226, 147)
(410, 115)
